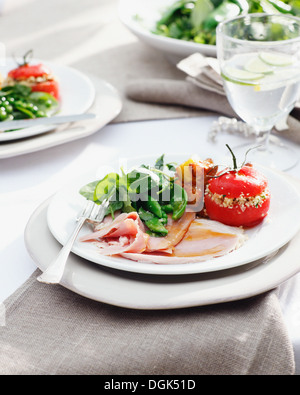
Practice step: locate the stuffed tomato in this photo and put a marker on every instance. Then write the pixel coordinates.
(36, 76)
(238, 197)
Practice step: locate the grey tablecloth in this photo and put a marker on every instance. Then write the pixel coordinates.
(49, 330)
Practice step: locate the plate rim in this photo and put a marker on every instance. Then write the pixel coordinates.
(151, 268)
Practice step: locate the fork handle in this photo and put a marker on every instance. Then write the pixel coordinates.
(54, 273)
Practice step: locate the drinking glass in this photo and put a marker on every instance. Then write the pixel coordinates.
(259, 58)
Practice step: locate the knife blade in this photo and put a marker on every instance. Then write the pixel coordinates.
(55, 120)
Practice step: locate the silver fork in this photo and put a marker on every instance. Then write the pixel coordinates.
(94, 214)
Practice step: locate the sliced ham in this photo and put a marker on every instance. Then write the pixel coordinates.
(204, 240)
(178, 229)
(123, 224)
(176, 232)
(159, 244)
(125, 234)
(189, 240)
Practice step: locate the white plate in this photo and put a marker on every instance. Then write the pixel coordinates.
(137, 291)
(149, 12)
(277, 230)
(77, 95)
(107, 105)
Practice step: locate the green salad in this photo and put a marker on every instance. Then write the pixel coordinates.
(151, 191)
(19, 102)
(196, 20)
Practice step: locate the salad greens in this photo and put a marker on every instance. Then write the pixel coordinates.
(151, 191)
(196, 20)
(19, 102)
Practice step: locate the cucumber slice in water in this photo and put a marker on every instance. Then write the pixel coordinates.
(276, 59)
(256, 65)
(236, 75)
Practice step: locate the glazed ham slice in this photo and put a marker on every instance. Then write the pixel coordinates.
(176, 232)
(125, 234)
(204, 240)
(209, 239)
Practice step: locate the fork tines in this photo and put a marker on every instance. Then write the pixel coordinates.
(87, 210)
(99, 212)
(93, 211)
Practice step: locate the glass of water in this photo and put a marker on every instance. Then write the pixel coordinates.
(259, 57)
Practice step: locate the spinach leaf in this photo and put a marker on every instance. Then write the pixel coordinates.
(140, 182)
(160, 163)
(21, 90)
(88, 190)
(200, 12)
(170, 11)
(107, 188)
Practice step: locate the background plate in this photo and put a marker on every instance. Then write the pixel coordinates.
(107, 106)
(77, 95)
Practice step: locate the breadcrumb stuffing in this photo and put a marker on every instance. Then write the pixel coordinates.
(243, 201)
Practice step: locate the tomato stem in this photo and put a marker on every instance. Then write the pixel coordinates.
(26, 58)
(233, 158)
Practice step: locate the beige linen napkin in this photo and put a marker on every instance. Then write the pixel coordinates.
(50, 330)
(178, 92)
(202, 89)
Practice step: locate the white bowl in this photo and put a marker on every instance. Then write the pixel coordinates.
(140, 17)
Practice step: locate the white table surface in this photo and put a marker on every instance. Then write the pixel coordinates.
(28, 180)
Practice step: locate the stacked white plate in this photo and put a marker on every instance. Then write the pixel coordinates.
(268, 258)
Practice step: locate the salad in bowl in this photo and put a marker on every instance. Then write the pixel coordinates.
(196, 20)
(181, 28)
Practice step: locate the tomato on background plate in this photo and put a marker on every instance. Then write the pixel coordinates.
(38, 76)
